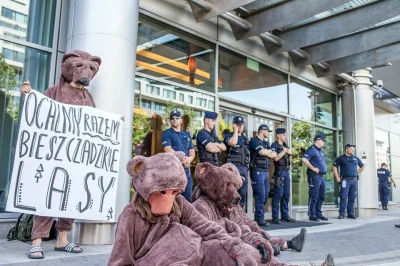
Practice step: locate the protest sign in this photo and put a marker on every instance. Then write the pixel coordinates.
(66, 161)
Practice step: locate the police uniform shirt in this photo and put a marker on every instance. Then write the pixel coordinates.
(179, 141)
(275, 147)
(315, 156)
(255, 146)
(241, 140)
(203, 138)
(348, 165)
(383, 175)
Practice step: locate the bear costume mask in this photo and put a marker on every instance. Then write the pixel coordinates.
(79, 67)
(159, 190)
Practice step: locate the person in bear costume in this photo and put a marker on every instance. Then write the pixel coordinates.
(160, 227)
(216, 197)
(78, 69)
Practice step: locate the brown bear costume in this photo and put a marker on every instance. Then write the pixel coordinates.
(78, 67)
(216, 197)
(159, 227)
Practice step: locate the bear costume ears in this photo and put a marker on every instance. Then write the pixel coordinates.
(163, 171)
(81, 54)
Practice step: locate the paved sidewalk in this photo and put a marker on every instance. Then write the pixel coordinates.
(351, 242)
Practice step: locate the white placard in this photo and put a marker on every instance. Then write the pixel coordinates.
(66, 161)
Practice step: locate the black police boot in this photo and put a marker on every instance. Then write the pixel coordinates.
(328, 261)
(262, 223)
(323, 218)
(351, 217)
(275, 220)
(297, 242)
(314, 219)
(289, 220)
(277, 250)
(341, 216)
(397, 225)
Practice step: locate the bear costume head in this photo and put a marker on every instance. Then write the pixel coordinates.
(157, 180)
(79, 67)
(220, 184)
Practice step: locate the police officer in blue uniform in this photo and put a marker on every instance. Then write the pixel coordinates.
(208, 145)
(176, 139)
(314, 159)
(238, 153)
(281, 178)
(384, 185)
(348, 180)
(259, 167)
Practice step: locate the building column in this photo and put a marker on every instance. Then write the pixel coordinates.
(108, 29)
(365, 141)
(348, 115)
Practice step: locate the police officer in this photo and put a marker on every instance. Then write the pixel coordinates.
(281, 177)
(348, 180)
(238, 153)
(176, 139)
(314, 159)
(384, 185)
(208, 144)
(259, 166)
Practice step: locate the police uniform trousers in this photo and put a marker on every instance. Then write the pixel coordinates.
(316, 195)
(281, 195)
(384, 193)
(189, 187)
(244, 172)
(348, 195)
(260, 185)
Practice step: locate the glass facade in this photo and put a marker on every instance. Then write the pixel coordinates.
(31, 21)
(248, 81)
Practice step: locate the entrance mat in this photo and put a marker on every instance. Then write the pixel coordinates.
(286, 225)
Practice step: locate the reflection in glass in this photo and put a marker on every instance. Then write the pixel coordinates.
(29, 20)
(382, 147)
(302, 135)
(156, 100)
(170, 54)
(311, 103)
(248, 81)
(33, 65)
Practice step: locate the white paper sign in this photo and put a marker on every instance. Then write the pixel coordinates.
(66, 161)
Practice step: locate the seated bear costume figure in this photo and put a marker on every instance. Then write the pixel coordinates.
(159, 227)
(216, 197)
(77, 70)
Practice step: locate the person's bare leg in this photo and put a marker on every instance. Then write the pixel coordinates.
(36, 242)
(62, 240)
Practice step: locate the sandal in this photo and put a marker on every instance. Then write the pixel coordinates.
(34, 250)
(69, 248)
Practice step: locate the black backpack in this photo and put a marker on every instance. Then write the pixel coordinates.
(23, 229)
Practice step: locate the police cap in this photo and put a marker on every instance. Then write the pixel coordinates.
(319, 137)
(264, 127)
(238, 120)
(349, 145)
(175, 112)
(211, 115)
(280, 130)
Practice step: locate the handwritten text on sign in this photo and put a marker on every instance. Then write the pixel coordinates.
(66, 161)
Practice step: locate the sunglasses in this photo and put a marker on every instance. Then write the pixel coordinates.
(175, 118)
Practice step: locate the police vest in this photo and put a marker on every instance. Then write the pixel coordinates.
(259, 160)
(284, 162)
(206, 156)
(239, 154)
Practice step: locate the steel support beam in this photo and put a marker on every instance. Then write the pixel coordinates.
(285, 14)
(206, 9)
(362, 60)
(352, 44)
(336, 26)
(236, 22)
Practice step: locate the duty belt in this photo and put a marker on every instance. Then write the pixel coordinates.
(349, 178)
(283, 168)
(258, 169)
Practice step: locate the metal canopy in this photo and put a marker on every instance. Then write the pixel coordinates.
(335, 36)
(206, 9)
(351, 44)
(370, 58)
